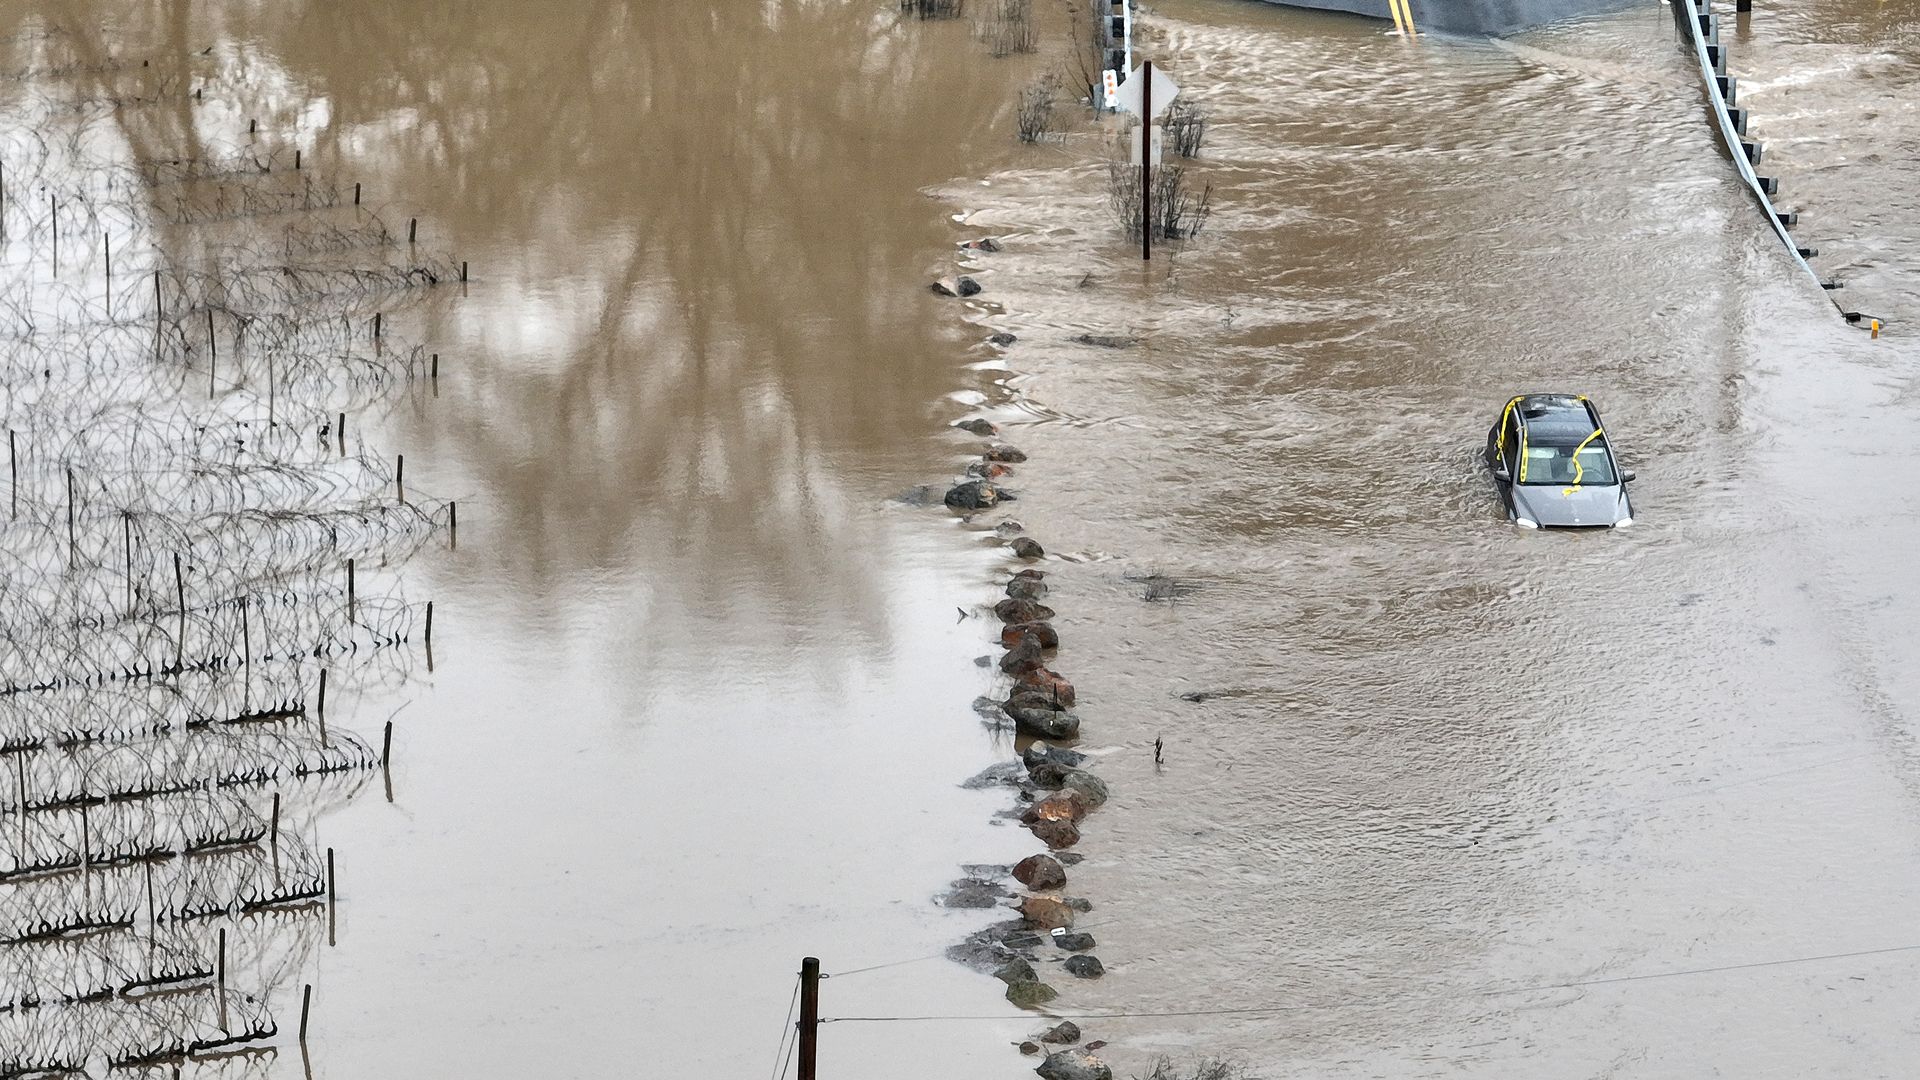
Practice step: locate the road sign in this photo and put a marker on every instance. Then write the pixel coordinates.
(1159, 143)
(1164, 91)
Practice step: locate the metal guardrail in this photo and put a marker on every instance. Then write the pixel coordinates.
(1703, 30)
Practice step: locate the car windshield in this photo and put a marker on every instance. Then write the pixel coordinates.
(1555, 465)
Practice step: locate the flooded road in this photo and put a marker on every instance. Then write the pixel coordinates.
(700, 701)
(1441, 769)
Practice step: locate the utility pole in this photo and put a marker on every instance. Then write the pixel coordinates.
(1146, 161)
(809, 1014)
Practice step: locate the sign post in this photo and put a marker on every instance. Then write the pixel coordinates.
(1146, 94)
(1146, 164)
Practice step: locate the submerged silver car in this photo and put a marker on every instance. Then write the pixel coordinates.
(1554, 467)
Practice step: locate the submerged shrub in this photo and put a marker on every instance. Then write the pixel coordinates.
(1036, 112)
(1178, 211)
(934, 9)
(1009, 29)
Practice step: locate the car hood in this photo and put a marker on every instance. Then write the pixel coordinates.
(1557, 505)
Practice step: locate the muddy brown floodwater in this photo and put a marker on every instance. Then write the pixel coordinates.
(1440, 768)
(1440, 796)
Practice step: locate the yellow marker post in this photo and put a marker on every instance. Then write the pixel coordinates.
(1876, 329)
(1399, 23)
(1406, 8)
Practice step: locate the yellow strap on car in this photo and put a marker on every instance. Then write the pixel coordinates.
(1578, 469)
(1500, 440)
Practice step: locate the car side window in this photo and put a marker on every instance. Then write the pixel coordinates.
(1510, 438)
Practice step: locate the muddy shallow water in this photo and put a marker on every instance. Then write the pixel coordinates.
(699, 703)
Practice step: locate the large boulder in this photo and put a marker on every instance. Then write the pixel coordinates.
(1085, 966)
(1064, 1033)
(1051, 775)
(1065, 806)
(1040, 719)
(960, 286)
(1073, 942)
(1014, 610)
(1025, 588)
(1030, 995)
(1043, 633)
(1012, 455)
(1087, 785)
(1073, 1065)
(977, 426)
(1056, 833)
(1016, 970)
(1028, 548)
(974, 495)
(1046, 912)
(1055, 776)
(1042, 752)
(1040, 873)
(1025, 656)
(1049, 684)
(988, 470)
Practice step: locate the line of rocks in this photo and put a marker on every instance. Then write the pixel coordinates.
(1055, 790)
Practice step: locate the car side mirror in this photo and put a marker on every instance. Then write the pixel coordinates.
(1627, 476)
(1501, 474)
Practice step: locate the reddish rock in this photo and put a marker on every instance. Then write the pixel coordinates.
(1040, 873)
(1066, 806)
(1049, 684)
(1025, 654)
(1062, 1033)
(1042, 634)
(1056, 834)
(1003, 452)
(1015, 610)
(1045, 913)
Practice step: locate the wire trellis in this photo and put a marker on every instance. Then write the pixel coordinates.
(195, 537)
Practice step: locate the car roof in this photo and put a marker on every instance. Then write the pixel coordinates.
(1553, 417)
